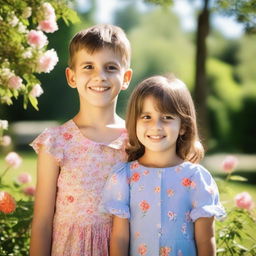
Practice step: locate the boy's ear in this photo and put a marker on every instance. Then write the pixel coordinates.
(70, 76)
(127, 79)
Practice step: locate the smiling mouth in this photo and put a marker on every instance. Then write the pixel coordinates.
(156, 137)
(99, 88)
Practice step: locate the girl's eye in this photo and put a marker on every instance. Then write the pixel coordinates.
(167, 117)
(88, 66)
(145, 117)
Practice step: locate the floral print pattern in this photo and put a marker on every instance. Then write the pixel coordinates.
(79, 228)
(162, 213)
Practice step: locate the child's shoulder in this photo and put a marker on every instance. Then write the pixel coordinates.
(196, 169)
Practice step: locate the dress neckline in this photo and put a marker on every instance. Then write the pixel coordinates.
(167, 167)
(116, 143)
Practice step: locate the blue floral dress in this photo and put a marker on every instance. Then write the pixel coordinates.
(162, 204)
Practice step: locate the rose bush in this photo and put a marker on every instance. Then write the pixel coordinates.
(234, 234)
(23, 48)
(23, 54)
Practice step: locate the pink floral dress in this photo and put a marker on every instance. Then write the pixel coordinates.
(79, 228)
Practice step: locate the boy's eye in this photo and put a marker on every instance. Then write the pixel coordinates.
(111, 68)
(89, 66)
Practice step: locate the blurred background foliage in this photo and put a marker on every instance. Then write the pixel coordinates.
(159, 46)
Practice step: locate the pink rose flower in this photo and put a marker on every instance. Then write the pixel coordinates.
(48, 26)
(37, 39)
(229, 164)
(7, 203)
(47, 61)
(36, 91)
(14, 82)
(244, 201)
(49, 11)
(5, 141)
(24, 178)
(13, 160)
(29, 191)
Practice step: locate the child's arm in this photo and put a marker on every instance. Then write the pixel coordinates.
(119, 240)
(47, 174)
(204, 236)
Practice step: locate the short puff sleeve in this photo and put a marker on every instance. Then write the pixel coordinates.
(116, 194)
(50, 138)
(205, 196)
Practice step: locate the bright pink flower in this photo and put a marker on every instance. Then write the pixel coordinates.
(47, 61)
(29, 191)
(13, 160)
(5, 141)
(14, 82)
(24, 178)
(244, 201)
(7, 203)
(37, 39)
(229, 164)
(36, 91)
(48, 26)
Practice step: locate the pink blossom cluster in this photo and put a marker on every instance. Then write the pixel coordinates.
(47, 61)
(37, 39)
(15, 82)
(48, 24)
(244, 201)
(13, 160)
(229, 164)
(24, 178)
(5, 141)
(36, 91)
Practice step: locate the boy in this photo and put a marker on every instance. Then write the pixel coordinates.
(76, 158)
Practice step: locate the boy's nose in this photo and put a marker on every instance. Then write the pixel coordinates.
(100, 75)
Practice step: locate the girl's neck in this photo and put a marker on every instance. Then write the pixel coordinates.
(160, 159)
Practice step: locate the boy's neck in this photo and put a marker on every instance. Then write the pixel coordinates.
(99, 118)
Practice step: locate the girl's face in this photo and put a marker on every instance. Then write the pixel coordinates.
(157, 131)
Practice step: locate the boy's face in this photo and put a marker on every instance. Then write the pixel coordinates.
(98, 77)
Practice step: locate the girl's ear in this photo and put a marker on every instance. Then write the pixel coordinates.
(70, 76)
(127, 79)
(182, 130)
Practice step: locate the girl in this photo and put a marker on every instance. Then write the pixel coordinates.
(75, 158)
(169, 200)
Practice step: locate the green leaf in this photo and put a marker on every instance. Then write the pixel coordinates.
(237, 178)
(33, 102)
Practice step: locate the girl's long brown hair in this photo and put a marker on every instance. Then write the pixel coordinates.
(172, 96)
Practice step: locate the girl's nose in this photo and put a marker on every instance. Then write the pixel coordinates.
(157, 124)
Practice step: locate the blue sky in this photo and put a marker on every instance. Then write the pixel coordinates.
(226, 25)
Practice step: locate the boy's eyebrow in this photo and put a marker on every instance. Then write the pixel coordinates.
(107, 63)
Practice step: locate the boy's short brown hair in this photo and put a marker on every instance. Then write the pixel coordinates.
(100, 36)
